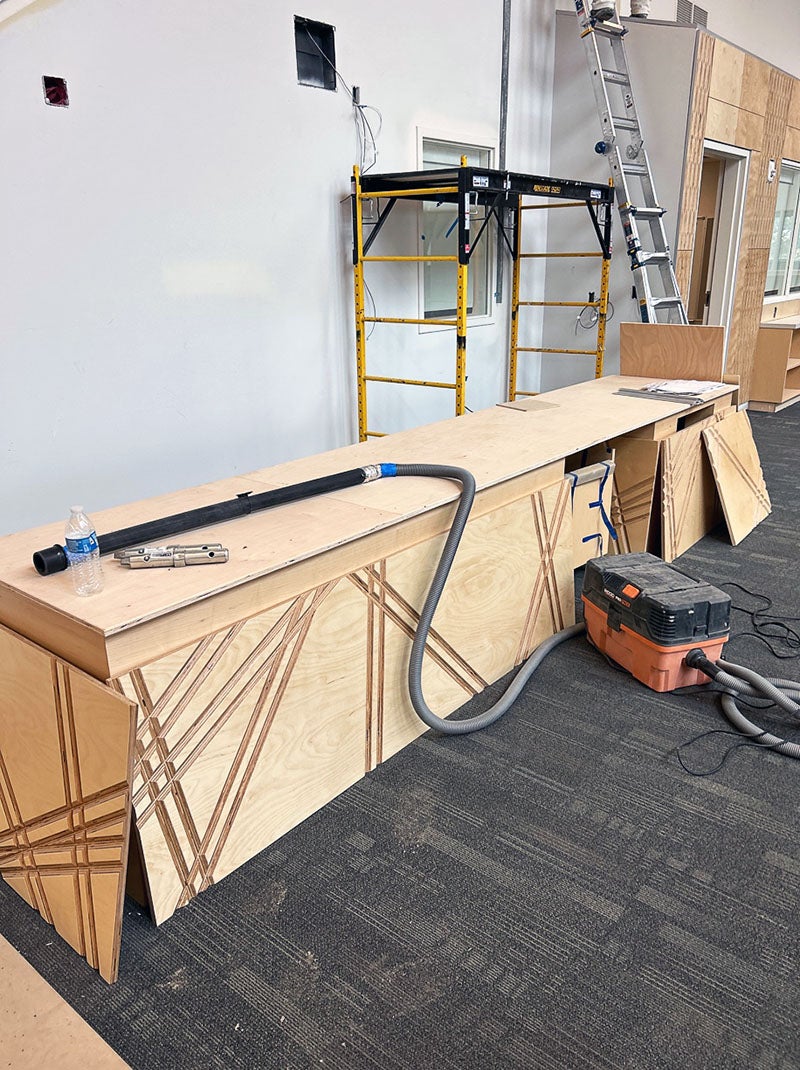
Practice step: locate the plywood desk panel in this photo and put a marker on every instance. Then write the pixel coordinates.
(266, 686)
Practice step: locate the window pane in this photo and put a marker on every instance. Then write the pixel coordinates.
(783, 231)
(440, 238)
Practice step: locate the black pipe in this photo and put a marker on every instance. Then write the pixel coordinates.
(54, 558)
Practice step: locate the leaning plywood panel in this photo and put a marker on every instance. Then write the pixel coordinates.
(246, 733)
(671, 351)
(689, 503)
(634, 486)
(738, 475)
(65, 764)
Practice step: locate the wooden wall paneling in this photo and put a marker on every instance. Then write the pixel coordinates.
(738, 475)
(743, 337)
(636, 462)
(703, 62)
(749, 132)
(671, 351)
(689, 502)
(246, 733)
(791, 144)
(755, 84)
(722, 121)
(727, 73)
(66, 744)
(793, 115)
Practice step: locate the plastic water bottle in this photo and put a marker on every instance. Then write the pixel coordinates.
(83, 552)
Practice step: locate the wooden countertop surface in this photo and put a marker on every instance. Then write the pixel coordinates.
(495, 444)
(789, 323)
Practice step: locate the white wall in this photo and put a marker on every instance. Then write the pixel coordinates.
(176, 278)
(768, 28)
(657, 56)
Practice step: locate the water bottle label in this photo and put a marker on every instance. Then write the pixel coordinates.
(81, 547)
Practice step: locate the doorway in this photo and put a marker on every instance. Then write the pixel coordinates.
(719, 224)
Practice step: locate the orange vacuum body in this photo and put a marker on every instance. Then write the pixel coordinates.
(646, 616)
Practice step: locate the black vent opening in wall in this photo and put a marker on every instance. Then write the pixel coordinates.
(316, 57)
(55, 91)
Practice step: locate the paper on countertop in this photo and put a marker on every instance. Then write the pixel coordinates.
(681, 386)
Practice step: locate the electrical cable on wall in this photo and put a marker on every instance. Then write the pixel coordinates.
(364, 131)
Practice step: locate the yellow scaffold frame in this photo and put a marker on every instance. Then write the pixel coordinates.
(501, 193)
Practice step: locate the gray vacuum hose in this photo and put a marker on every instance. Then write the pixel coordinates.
(503, 704)
(740, 680)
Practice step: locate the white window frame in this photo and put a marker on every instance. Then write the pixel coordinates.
(785, 294)
(466, 143)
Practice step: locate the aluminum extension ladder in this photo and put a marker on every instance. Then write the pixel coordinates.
(657, 290)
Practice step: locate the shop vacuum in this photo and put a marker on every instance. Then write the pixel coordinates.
(665, 628)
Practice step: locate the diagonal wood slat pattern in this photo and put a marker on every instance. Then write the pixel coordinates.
(245, 733)
(64, 835)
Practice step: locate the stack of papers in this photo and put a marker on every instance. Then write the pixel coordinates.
(686, 391)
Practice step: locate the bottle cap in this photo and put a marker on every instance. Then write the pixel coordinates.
(76, 508)
(51, 559)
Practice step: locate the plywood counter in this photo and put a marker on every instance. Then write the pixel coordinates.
(219, 706)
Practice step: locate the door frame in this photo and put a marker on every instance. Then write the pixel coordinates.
(728, 230)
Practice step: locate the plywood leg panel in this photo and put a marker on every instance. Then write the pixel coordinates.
(65, 765)
(246, 733)
(633, 491)
(689, 502)
(737, 472)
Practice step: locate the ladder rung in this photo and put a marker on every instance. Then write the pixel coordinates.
(622, 123)
(575, 352)
(534, 256)
(642, 213)
(407, 382)
(666, 302)
(615, 77)
(431, 322)
(610, 29)
(645, 258)
(635, 169)
(560, 304)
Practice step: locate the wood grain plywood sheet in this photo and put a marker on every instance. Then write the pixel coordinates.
(738, 475)
(511, 586)
(727, 73)
(671, 351)
(791, 144)
(39, 1029)
(689, 503)
(755, 84)
(632, 498)
(65, 764)
(722, 121)
(749, 130)
(246, 733)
